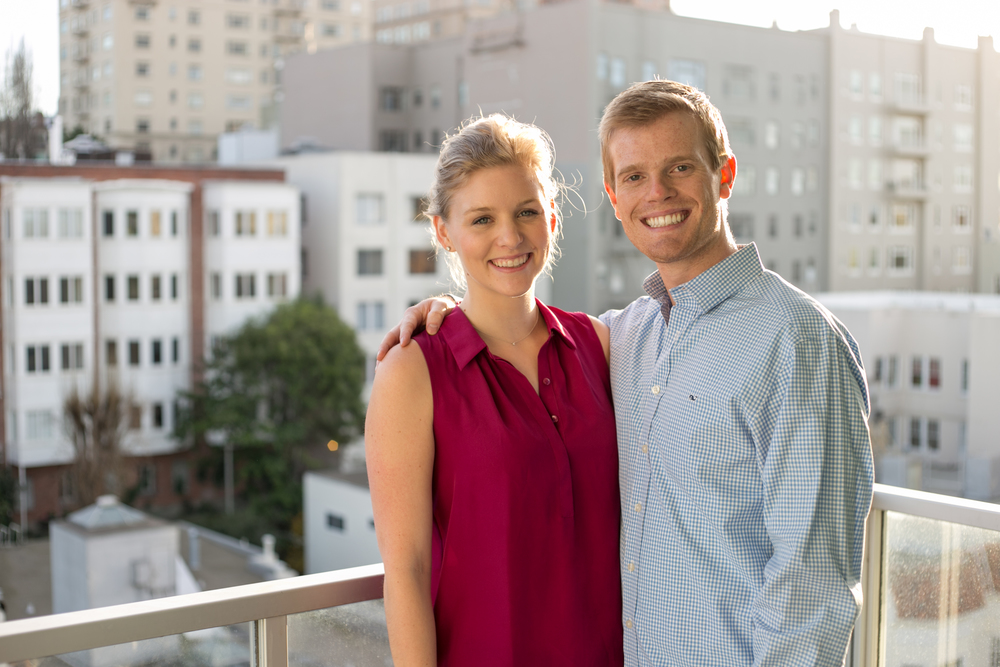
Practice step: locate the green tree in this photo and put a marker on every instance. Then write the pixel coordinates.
(279, 390)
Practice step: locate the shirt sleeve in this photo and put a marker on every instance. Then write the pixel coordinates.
(608, 316)
(817, 479)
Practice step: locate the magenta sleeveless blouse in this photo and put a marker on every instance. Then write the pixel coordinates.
(525, 493)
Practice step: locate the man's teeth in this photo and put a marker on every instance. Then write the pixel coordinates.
(665, 220)
(511, 263)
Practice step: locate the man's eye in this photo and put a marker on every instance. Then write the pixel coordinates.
(632, 178)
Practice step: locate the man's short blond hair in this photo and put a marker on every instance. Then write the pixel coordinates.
(646, 102)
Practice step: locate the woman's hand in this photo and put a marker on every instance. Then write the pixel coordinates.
(428, 314)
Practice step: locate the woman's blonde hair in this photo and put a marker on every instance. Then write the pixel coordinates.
(494, 141)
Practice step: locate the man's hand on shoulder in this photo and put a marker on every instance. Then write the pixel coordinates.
(429, 314)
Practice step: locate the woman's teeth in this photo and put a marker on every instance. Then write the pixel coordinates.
(511, 263)
(666, 220)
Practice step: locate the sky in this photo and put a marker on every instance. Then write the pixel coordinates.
(955, 22)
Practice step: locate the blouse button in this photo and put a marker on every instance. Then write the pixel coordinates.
(546, 381)
(555, 419)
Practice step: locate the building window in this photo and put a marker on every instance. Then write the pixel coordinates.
(173, 287)
(215, 285)
(234, 48)
(934, 373)
(214, 226)
(194, 17)
(617, 75)
(245, 223)
(41, 425)
(915, 432)
(111, 352)
(71, 289)
(142, 41)
(893, 367)
(173, 223)
(877, 371)
(917, 372)
(965, 375)
(277, 285)
(390, 98)
(772, 180)
(370, 208)
(133, 287)
(369, 262)
(690, 72)
(246, 287)
(156, 356)
(36, 223)
(739, 83)
(392, 141)
(157, 415)
(370, 315)
(741, 225)
(36, 291)
(133, 353)
(961, 218)
(108, 218)
(72, 356)
(277, 223)
(135, 423)
(142, 69)
(37, 360)
(933, 434)
(961, 260)
(70, 223)
(109, 288)
(900, 259)
(335, 522)
(132, 223)
(423, 261)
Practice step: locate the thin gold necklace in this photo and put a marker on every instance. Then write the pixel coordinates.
(538, 316)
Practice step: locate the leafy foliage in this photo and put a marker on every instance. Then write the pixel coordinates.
(279, 390)
(8, 494)
(22, 130)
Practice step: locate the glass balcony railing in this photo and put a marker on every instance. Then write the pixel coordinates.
(931, 583)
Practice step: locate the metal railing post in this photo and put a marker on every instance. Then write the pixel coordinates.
(867, 631)
(269, 642)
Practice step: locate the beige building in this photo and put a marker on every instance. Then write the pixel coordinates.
(915, 158)
(167, 77)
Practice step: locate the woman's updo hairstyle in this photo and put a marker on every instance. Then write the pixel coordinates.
(494, 141)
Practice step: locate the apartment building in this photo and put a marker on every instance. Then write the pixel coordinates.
(366, 247)
(124, 275)
(931, 360)
(915, 159)
(788, 105)
(166, 78)
(558, 65)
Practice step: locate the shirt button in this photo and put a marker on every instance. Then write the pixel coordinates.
(555, 419)
(655, 389)
(645, 449)
(628, 624)
(638, 507)
(546, 381)
(631, 567)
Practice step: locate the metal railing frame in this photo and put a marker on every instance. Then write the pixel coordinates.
(267, 605)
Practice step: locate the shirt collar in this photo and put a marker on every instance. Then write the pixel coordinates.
(465, 343)
(712, 286)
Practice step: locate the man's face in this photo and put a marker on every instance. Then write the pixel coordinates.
(666, 194)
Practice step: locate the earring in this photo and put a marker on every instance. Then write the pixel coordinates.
(448, 248)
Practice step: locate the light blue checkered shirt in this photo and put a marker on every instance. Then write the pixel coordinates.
(745, 472)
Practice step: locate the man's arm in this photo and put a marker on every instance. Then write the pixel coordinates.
(817, 478)
(428, 314)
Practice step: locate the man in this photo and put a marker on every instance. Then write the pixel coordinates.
(744, 457)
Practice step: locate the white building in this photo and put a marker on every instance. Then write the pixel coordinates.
(125, 275)
(366, 248)
(338, 526)
(933, 366)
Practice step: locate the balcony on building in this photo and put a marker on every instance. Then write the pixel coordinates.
(931, 584)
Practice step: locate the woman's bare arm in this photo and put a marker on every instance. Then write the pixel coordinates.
(399, 449)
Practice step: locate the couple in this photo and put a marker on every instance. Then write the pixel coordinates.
(727, 528)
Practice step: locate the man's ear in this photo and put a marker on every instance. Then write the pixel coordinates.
(613, 198)
(441, 232)
(727, 175)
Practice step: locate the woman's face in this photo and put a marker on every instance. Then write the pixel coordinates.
(501, 226)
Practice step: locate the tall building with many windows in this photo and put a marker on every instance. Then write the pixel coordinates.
(915, 159)
(801, 132)
(166, 77)
(116, 275)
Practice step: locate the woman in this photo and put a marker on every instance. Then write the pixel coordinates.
(491, 446)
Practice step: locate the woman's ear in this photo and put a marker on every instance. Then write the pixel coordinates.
(552, 219)
(441, 232)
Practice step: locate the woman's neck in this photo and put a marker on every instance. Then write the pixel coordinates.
(507, 319)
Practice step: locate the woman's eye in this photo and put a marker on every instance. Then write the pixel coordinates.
(527, 213)
(481, 221)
